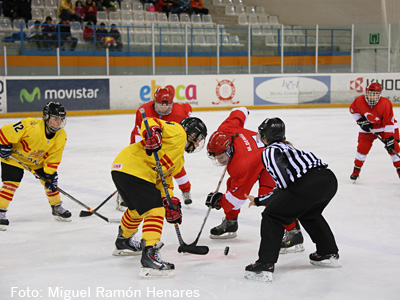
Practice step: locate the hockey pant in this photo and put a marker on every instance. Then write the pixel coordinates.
(365, 141)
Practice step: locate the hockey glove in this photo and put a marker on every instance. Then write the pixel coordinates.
(5, 151)
(152, 143)
(364, 124)
(213, 199)
(52, 181)
(173, 214)
(389, 144)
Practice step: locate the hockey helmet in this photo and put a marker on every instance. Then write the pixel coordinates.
(163, 98)
(272, 130)
(196, 132)
(220, 148)
(373, 93)
(54, 115)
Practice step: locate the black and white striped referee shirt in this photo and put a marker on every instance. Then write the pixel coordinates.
(287, 164)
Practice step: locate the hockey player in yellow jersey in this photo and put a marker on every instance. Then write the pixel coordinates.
(39, 144)
(134, 172)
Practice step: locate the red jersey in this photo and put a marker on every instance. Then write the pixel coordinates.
(178, 113)
(380, 115)
(246, 165)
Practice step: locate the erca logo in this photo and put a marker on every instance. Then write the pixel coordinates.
(24, 95)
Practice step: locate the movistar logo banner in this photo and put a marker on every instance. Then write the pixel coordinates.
(74, 94)
(24, 95)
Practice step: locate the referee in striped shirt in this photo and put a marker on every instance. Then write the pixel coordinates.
(304, 187)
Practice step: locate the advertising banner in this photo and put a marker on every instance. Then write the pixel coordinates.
(347, 87)
(74, 94)
(286, 90)
(198, 91)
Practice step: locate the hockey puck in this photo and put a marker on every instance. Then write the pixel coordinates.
(226, 251)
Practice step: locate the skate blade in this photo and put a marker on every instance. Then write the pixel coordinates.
(149, 272)
(327, 263)
(227, 235)
(61, 219)
(263, 276)
(3, 227)
(126, 252)
(293, 249)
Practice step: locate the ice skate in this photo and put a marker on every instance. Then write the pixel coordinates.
(329, 260)
(187, 198)
(127, 246)
(292, 241)
(60, 213)
(153, 265)
(121, 205)
(259, 272)
(226, 230)
(356, 173)
(3, 220)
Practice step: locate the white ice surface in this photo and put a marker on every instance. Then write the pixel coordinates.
(40, 254)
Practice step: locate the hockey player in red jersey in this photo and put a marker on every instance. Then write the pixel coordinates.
(374, 114)
(162, 107)
(238, 148)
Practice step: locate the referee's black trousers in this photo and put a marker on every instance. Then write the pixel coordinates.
(305, 200)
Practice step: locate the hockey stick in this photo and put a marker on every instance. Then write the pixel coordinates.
(207, 214)
(379, 137)
(201, 250)
(40, 177)
(86, 213)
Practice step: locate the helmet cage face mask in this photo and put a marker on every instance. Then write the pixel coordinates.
(196, 132)
(373, 93)
(220, 148)
(163, 98)
(54, 116)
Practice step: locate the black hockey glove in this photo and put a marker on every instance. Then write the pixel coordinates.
(5, 151)
(213, 199)
(364, 124)
(389, 144)
(52, 181)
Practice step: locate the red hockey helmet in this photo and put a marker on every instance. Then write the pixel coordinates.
(373, 93)
(163, 98)
(219, 147)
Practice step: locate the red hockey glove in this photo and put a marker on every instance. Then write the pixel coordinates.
(152, 143)
(174, 214)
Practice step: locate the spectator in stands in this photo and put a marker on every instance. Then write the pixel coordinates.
(101, 33)
(67, 11)
(90, 9)
(65, 34)
(198, 7)
(9, 8)
(106, 5)
(79, 10)
(49, 31)
(88, 32)
(114, 33)
(35, 34)
(163, 6)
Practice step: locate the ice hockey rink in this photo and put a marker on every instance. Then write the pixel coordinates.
(46, 259)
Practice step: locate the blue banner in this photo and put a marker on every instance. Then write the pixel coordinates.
(73, 94)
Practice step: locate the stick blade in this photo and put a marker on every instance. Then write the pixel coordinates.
(199, 250)
(85, 213)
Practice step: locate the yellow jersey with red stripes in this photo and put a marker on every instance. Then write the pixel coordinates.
(31, 146)
(133, 159)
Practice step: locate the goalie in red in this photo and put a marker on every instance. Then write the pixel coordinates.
(163, 107)
(374, 114)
